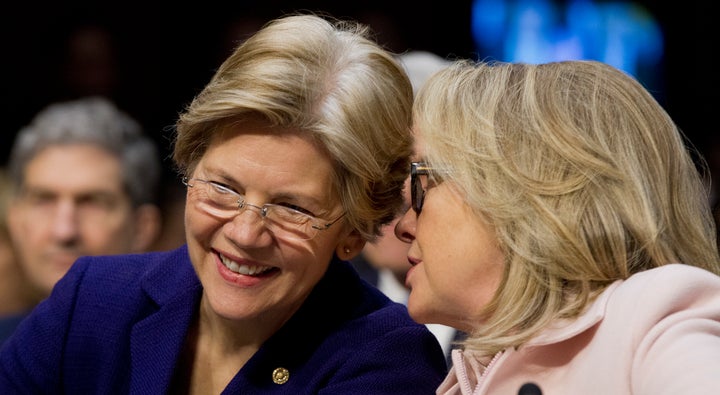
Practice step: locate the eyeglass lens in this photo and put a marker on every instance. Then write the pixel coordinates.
(284, 222)
(417, 170)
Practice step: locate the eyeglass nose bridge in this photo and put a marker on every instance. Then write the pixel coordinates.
(261, 210)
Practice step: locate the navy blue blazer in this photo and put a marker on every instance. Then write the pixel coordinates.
(116, 325)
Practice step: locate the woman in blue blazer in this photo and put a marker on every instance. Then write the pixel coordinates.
(294, 155)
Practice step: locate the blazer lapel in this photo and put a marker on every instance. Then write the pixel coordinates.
(156, 341)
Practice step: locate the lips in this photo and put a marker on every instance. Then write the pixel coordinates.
(413, 261)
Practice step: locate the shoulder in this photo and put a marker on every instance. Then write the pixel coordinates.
(661, 308)
(118, 272)
(351, 337)
(669, 285)
(665, 323)
(85, 328)
(125, 281)
(364, 307)
(343, 299)
(656, 332)
(655, 293)
(646, 304)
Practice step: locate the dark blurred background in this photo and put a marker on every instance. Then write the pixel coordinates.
(152, 59)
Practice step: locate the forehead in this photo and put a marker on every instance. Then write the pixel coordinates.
(272, 160)
(257, 139)
(78, 167)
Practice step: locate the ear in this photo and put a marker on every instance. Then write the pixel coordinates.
(350, 246)
(147, 227)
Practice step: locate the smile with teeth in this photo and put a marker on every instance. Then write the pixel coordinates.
(248, 270)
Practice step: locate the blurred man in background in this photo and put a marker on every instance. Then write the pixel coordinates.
(85, 179)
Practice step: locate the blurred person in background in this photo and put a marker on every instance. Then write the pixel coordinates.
(16, 297)
(84, 179)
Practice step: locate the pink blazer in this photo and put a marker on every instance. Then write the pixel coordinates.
(656, 333)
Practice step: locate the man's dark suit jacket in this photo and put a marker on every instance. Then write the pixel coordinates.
(116, 325)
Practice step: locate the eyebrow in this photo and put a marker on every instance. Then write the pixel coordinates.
(317, 206)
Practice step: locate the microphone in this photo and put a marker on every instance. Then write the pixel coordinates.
(529, 389)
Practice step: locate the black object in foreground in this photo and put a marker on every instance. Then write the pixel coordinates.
(529, 389)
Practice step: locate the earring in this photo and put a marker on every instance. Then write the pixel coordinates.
(347, 250)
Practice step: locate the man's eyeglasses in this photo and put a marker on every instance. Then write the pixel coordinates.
(284, 222)
(418, 173)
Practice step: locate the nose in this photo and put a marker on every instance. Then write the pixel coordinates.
(65, 221)
(262, 211)
(247, 228)
(405, 227)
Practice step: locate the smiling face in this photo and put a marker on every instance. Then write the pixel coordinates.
(248, 272)
(457, 265)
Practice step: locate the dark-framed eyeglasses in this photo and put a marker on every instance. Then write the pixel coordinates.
(284, 222)
(418, 177)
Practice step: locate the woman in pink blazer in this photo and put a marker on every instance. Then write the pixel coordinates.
(559, 219)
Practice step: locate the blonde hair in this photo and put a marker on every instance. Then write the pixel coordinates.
(584, 176)
(328, 78)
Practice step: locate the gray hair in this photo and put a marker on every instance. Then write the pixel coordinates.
(92, 120)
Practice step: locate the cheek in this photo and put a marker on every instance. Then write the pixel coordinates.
(460, 251)
(450, 264)
(480, 265)
(6, 254)
(19, 223)
(199, 225)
